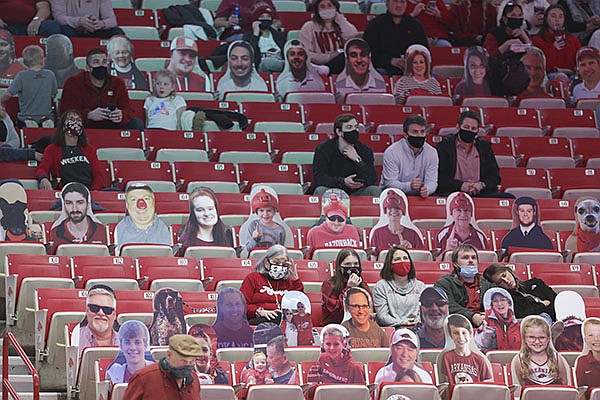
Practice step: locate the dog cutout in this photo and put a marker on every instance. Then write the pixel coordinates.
(14, 218)
(168, 317)
(586, 235)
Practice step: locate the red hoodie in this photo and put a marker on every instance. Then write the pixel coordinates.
(434, 27)
(327, 370)
(555, 58)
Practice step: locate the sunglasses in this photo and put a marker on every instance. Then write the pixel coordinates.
(336, 218)
(105, 309)
(439, 303)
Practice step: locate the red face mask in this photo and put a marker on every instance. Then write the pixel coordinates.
(401, 268)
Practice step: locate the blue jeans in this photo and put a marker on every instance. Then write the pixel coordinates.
(47, 28)
(103, 33)
(8, 153)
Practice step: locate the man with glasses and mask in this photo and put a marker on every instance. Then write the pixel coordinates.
(170, 378)
(344, 162)
(98, 326)
(465, 286)
(100, 98)
(364, 331)
(410, 164)
(434, 310)
(467, 163)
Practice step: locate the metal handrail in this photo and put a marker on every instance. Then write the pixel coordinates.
(7, 388)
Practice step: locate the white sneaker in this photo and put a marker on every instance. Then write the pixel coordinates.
(320, 69)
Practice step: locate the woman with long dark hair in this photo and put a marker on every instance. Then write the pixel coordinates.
(204, 226)
(509, 32)
(476, 80)
(70, 158)
(346, 275)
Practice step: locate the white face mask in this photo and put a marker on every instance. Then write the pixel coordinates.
(278, 271)
(327, 13)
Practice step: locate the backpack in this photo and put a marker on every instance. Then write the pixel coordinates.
(513, 75)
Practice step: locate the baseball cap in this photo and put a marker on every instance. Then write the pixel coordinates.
(460, 201)
(185, 345)
(433, 293)
(335, 207)
(184, 43)
(404, 334)
(587, 51)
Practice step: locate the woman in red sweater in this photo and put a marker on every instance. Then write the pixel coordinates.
(559, 46)
(70, 158)
(347, 274)
(274, 274)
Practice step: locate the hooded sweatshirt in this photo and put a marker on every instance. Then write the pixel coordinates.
(345, 370)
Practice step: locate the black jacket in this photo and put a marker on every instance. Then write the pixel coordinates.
(489, 172)
(527, 305)
(330, 166)
(388, 40)
(253, 40)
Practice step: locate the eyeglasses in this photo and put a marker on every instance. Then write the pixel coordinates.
(336, 218)
(105, 309)
(439, 303)
(534, 339)
(359, 306)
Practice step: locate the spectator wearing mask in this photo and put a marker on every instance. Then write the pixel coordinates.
(510, 31)
(267, 42)
(235, 17)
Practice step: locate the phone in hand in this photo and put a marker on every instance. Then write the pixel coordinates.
(359, 180)
(111, 107)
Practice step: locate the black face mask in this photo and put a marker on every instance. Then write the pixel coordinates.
(466, 136)
(514, 23)
(265, 24)
(351, 136)
(351, 270)
(100, 72)
(416, 141)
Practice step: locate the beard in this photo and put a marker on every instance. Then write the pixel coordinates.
(433, 323)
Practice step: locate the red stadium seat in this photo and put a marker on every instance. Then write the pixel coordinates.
(592, 306)
(283, 142)
(293, 21)
(172, 203)
(132, 17)
(377, 142)
(447, 55)
(19, 170)
(103, 267)
(585, 148)
(307, 175)
(501, 145)
(266, 112)
(563, 273)
(567, 117)
(102, 138)
(318, 113)
(31, 135)
(156, 139)
(430, 271)
(556, 209)
(215, 104)
(377, 114)
(254, 173)
(291, 205)
(316, 271)
(173, 268)
(541, 147)
(523, 177)
(444, 116)
(218, 142)
(186, 172)
(226, 269)
(496, 117)
(574, 178)
(125, 171)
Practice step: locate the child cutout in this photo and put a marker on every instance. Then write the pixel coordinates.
(500, 331)
(461, 226)
(586, 234)
(335, 364)
(257, 371)
(299, 305)
(134, 352)
(461, 361)
(394, 227)
(538, 362)
(164, 107)
(587, 365)
(207, 366)
(570, 313)
(264, 227)
(36, 88)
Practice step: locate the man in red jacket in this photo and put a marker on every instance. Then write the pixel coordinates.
(101, 98)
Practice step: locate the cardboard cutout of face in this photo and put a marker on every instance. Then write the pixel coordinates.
(461, 361)
(502, 330)
(122, 63)
(525, 232)
(586, 235)
(434, 311)
(335, 364)
(461, 226)
(586, 366)
(208, 368)
(168, 317)
(395, 227)
(14, 214)
(570, 314)
(403, 364)
(264, 226)
(140, 207)
(299, 323)
(334, 229)
(231, 326)
(134, 352)
(9, 66)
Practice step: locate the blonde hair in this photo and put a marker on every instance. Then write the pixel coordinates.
(164, 73)
(33, 55)
(524, 364)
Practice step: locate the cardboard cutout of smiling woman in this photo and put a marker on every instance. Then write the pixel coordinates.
(395, 227)
(168, 317)
(570, 314)
(122, 63)
(334, 229)
(9, 66)
(461, 226)
(231, 326)
(586, 235)
(208, 368)
(264, 226)
(15, 223)
(587, 368)
(525, 231)
(501, 330)
(134, 352)
(461, 361)
(297, 321)
(140, 224)
(335, 364)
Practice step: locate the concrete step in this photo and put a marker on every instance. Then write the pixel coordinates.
(16, 366)
(43, 396)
